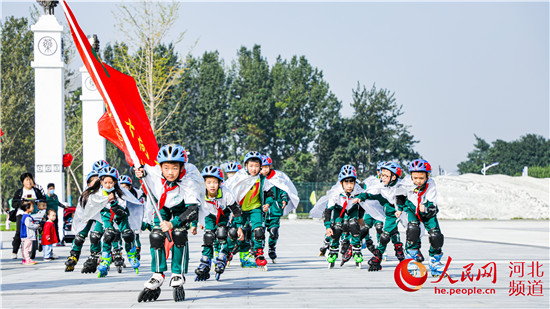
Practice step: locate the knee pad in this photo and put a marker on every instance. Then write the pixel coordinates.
(156, 238)
(345, 226)
(259, 234)
(128, 236)
(208, 238)
(233, 235)
(336, 231)
(247, 230)
(180, 237)
(379, 226)
(274, 232)
(95, 238)
(109, 235)
(221, 233)
(385, 238)
(413, 232)
(79, 240)
(117, 235)
(436, 238)
(354, 228)
(364, 232)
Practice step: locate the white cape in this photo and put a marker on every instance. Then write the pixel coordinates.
(283, 182)
(242, 182)
(97, 201)
(227, 199)
(190, 189)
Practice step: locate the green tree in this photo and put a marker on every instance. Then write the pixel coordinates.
(252, 103)
(17, 102)
(202, 125)
(374, 133)
(476, 158)
(154, 65)
(530, 150)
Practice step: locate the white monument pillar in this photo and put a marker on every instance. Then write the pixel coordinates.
(49, 104)
(93, 145)
(49, 100)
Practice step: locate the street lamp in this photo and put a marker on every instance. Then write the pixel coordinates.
(485, 168)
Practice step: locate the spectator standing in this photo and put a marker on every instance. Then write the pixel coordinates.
(53, 203)
(28, 232)
(49, 235)
(29, 192)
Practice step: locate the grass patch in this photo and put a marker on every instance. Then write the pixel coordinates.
(3, 224)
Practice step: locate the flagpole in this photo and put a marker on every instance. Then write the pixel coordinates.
(129, 147)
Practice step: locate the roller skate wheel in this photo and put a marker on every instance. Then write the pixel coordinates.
(178, 294)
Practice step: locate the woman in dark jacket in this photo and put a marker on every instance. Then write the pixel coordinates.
(29, 191)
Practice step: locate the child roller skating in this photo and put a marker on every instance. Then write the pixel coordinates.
(421, 208)
(115, 211)
(337, 206)
(126, 183)
(220, 205)
(285, 200)
(82, 228)
(390, 195)
(254, 195)
(179, 189)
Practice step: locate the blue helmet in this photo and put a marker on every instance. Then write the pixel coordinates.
(212, 171)
(172, 153)
(91, 174)
(252, 155)
(109, 171)
(125, 179)
(266, 160)
(420, 165)
(394, 168)
(233, 167)
(347, 171)
(380, 164)
(98, 165)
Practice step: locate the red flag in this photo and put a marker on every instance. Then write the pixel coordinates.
(125, 122)
(107, 128)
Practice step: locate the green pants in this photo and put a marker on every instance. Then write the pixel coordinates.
(180, 255)
(210, 225)
(123, 225)
(273, 222)
(390, 227)
(370, 222)
(256, 219)
(350, 214)
(83, 233)
(99, 229)
(138, 242)
(429, 223)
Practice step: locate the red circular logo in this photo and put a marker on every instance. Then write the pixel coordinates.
(405, 280)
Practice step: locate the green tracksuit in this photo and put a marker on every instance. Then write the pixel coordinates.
(274, 214)
(428, 218)
(180, 255)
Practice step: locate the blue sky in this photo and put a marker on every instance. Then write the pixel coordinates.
(458, 69)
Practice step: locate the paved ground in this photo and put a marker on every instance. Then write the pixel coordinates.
(301, 278)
